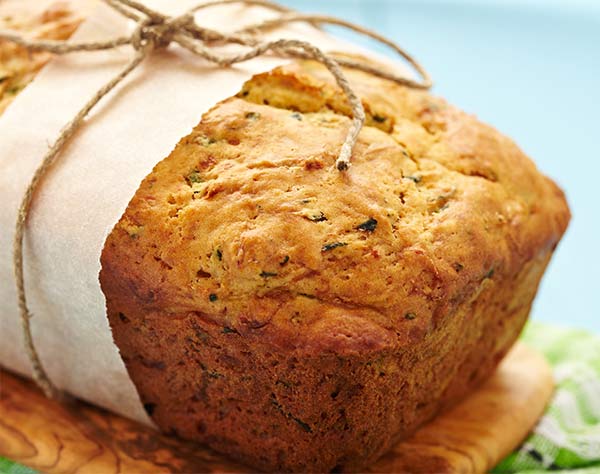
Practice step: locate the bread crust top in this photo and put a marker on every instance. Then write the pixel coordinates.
(248, 224)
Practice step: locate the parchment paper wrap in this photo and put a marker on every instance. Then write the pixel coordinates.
(85, 194)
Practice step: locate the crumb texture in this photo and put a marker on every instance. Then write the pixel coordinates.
(299, 318)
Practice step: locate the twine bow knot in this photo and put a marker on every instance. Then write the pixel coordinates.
(157, 35)
(154, 31)
(159, 31)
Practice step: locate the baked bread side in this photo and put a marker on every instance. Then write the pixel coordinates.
(299, 318)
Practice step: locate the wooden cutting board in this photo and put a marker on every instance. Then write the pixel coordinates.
(80, 438)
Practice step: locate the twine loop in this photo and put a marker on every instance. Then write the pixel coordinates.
(155, 31)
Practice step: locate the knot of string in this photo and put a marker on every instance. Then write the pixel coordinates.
(155, 30)
(159, 33)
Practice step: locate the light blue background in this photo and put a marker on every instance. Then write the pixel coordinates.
(532, 69)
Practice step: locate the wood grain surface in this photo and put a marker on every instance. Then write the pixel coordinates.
(76, 437)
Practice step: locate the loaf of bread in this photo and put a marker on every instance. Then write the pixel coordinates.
(301, 319)
(17, 65)
(298, 318)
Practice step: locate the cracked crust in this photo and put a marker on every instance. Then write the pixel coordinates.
(299, 318)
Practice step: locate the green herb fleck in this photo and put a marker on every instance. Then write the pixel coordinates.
(134, 231)
(204, 140)
(416, 179)
(228, 330)
(369, 225)
(213, 374)
(442, 201)
(458, 267)
(266, 274)
(489, 274)
(410, 316)
(212, 297)
(320, 217)
(297, 116)
(194, 177)
(443, 207)
(306, 295)
(285, 383)
(14, 90)
(302, 425)
(288, 415)
(379, 118)
(252, 115)
(276, 404)
(332, 245)
(285, 260)
(219, 254)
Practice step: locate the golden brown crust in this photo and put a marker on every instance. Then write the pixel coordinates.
(18, 66)
(290, 411)
(245, 259)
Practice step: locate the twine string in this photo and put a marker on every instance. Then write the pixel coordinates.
(39, 373)
(155, 30)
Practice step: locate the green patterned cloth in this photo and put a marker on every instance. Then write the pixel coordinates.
(9, 467)
(568, 435)
(567, 438)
